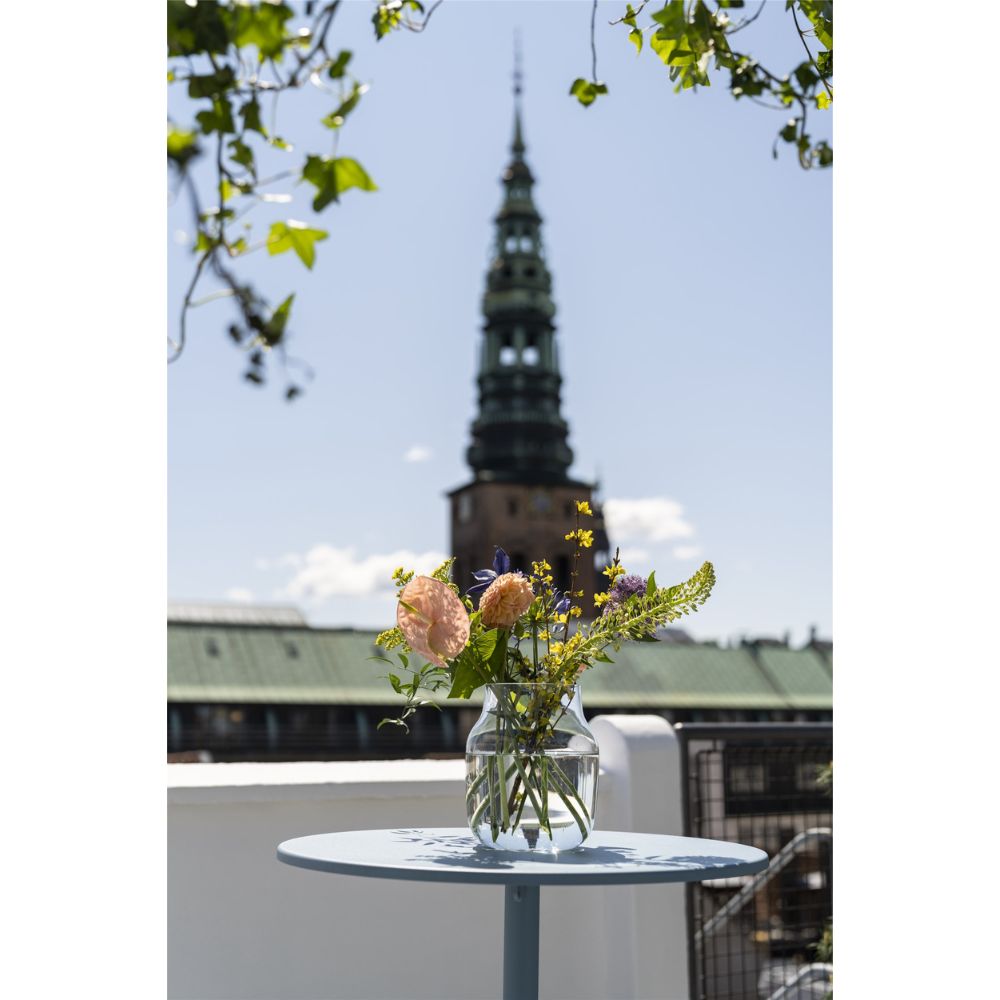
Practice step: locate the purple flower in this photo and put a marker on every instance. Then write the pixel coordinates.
(624, 587)
(484, 577)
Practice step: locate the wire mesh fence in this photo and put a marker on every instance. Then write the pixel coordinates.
(759, 937)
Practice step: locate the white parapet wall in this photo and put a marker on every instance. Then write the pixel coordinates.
(242, 926)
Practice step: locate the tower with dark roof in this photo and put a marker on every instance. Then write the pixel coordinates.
(521, 496)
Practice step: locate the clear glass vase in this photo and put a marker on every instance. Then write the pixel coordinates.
(531, 770)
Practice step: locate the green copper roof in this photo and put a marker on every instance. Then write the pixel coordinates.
(258, 664)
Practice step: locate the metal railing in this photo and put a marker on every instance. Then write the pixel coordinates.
(755, 938)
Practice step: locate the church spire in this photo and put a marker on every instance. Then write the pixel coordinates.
(517, 146)
(519, 434)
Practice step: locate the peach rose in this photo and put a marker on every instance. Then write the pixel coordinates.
(433, 619)
(505, 600)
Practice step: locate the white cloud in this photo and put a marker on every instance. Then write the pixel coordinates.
(630, 556)
(687, 551)
(325, 571)
(239, 594)
(650, 519)
(417, 453)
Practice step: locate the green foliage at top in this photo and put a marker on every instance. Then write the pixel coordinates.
(236, 59)
(693, 38)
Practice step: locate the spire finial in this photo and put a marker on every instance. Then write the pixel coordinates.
(517, 147)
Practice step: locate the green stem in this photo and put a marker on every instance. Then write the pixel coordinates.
(560, 777)
(530, 791)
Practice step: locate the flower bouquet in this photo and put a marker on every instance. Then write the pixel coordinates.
(531, 758)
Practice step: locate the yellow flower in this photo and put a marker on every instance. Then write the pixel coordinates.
(614, 571)
(505, 600)
(585, 537)
(582, 507)
(601, 599)
(575, 611)
(570, 536)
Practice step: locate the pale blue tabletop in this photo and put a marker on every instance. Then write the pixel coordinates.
(452, 854)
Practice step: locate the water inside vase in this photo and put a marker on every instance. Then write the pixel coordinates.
(552, 811)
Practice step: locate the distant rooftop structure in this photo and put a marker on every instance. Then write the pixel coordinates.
(206, 613)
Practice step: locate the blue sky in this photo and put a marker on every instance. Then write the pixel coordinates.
(692, 278)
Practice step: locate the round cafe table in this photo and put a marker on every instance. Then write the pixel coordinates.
(454, 855)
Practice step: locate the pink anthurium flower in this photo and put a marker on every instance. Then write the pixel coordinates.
(433, 620)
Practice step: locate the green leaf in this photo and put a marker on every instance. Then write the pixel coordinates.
(586, 91)
(651, 584)
(242, 154)
(805, 75)
(295, 236)
(467, 676)
(339, 65)
(181, 145)
(197, 29)
(332, 176)
(250, 113)
(211, 84)
(274, 328)
(262, 25)
(204, 242)
(219, 119)
(635, 37)
(389, 15)
(336, 118)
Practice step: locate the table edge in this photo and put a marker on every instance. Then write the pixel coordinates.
(513, 877)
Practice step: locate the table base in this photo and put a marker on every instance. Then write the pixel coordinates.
(520, 942)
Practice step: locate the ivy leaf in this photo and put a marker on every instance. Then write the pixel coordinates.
(242, 154)
(339, 66)
(212, 83)
(250, 113)
(295, 236)
(336, 118)
(262, 25)
(389, 15)
(333, 175)
(219, 119)
(635, 37)
(197, 29)
(586, 91)
(274, 328)
(181, 145)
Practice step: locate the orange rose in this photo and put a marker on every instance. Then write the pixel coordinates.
(505, 600)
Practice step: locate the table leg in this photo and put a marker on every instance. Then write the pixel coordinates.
(520, 942)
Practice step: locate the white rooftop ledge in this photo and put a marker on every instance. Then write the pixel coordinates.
(189, 784)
